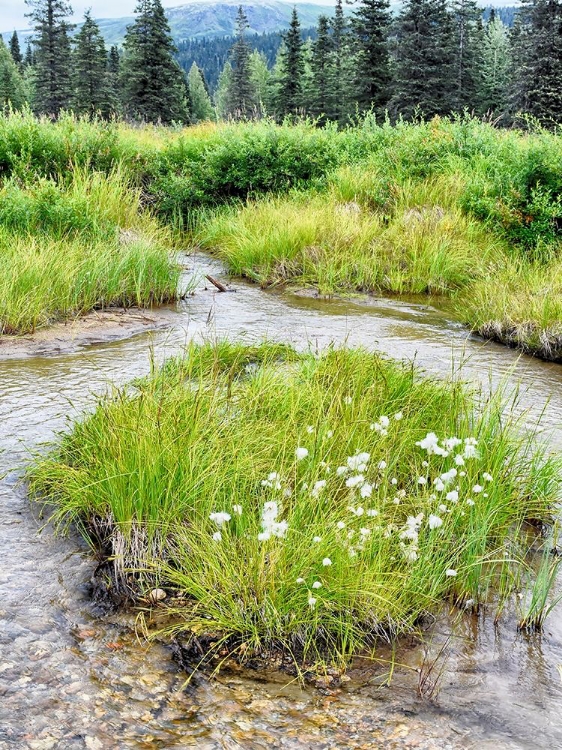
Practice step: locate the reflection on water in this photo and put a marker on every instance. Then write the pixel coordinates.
(72, 679)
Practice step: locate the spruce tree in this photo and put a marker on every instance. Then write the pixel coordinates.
(154, 87)
(340, 68)
(29, 58)
(201, 106)
(291, 70)
(15, 50)
(91, 86)
(321, 95)
(494, 65)
(370, 23)
(468, 45)
(425, 82)
(53, 85)
(12, 86)
(114, 79)
(242, 96)
(538, 48)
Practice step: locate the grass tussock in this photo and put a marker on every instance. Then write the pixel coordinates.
(296, 502)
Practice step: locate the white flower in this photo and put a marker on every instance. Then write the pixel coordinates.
(270, 511)
(301, 453)
(300, 580)
(382, 465)
(316, 585)
(430, 443)
(359, 461)
(425, 464)
(434, 522)
(462, 473)
(469, 501)
(396, 501)
(366, 490)
(384, 421)
(365, 532)
(279, 529)
(310, 429)
(340, 525)
(347, 400)
(477, 488)
(330, 434)
(452, 496)
(470, 450)
(264, 536)
(372, 512)
(451, 572)
(394, 481)
(487, 477)
(318, 487)
(311, 601)
(459, 460)
(326, 561)
(359, 511)
(410, 553)
(422, 480)
(217, 536)
(451, 443)
(355, 481)
(220, 518)
(443, 508)
(273, 476)
(439, 484)
(447, 476)
(317, 539)
(341, 470)
(237, 509)
(398, 416)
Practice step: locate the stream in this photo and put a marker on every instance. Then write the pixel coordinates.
(73, 677)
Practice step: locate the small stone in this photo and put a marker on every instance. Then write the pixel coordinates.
(156, 595)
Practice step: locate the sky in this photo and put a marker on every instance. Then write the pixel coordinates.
(12, 12)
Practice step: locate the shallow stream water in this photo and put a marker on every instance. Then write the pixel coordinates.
(71, 677)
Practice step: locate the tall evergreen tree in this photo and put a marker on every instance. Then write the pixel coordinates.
(242, 96)
(12, 86)
(29, 58)
(494, 65)
(114, 78)
(321, 94)
(154, 86)
(468, 45)
(15, 49)
(291, 70)
(370, 23)
(425, 80)
(340, 69)
(201, 106)
(91, 86)
(53, 85)
(538, 47)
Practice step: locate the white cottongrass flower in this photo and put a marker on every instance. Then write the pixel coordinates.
(365, 532)
(372, 512)
(326, 562)
(318, 487)
(366, 490)
(310, 429)
(451, 443)
(487, 477)
(398, 416)
(264, 536)
(316, 539)
(439, 484)
(459, 460)
(220, 518)
(443, 508)
(237, 509)
(470, 448)
(462, 473)
(340, 525)
(311, 601)
(301, 453)
(410, 552)
(330, 434)
(470, 501)
(477, 488)
(394, 481)
(425, 464)
(422, 480)
(384, 421)
(316, 585)
(217, 536)
(348, 400)
(341, 470)
(279, 529)
(300, 580)
(448, 476)
(430, 444)
(355, 481)
(396, 501)
(382, 465)
(358, 462)
(451, 572)
(434, 522)
(452, 496)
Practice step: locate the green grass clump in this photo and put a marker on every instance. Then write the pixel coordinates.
(341, 515)
(422, 243)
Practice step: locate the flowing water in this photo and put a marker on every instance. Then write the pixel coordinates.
(71, 677)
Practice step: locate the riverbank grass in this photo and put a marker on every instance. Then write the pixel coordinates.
(298, 503)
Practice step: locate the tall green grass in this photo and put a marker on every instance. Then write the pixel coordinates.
(342, 516)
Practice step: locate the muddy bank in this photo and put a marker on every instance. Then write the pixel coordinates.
(97, 327)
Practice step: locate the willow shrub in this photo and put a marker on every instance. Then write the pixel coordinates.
(299, 502)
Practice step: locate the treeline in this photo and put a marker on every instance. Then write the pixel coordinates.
(436, 57)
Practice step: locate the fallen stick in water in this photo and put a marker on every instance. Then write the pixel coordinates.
(219, 285)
